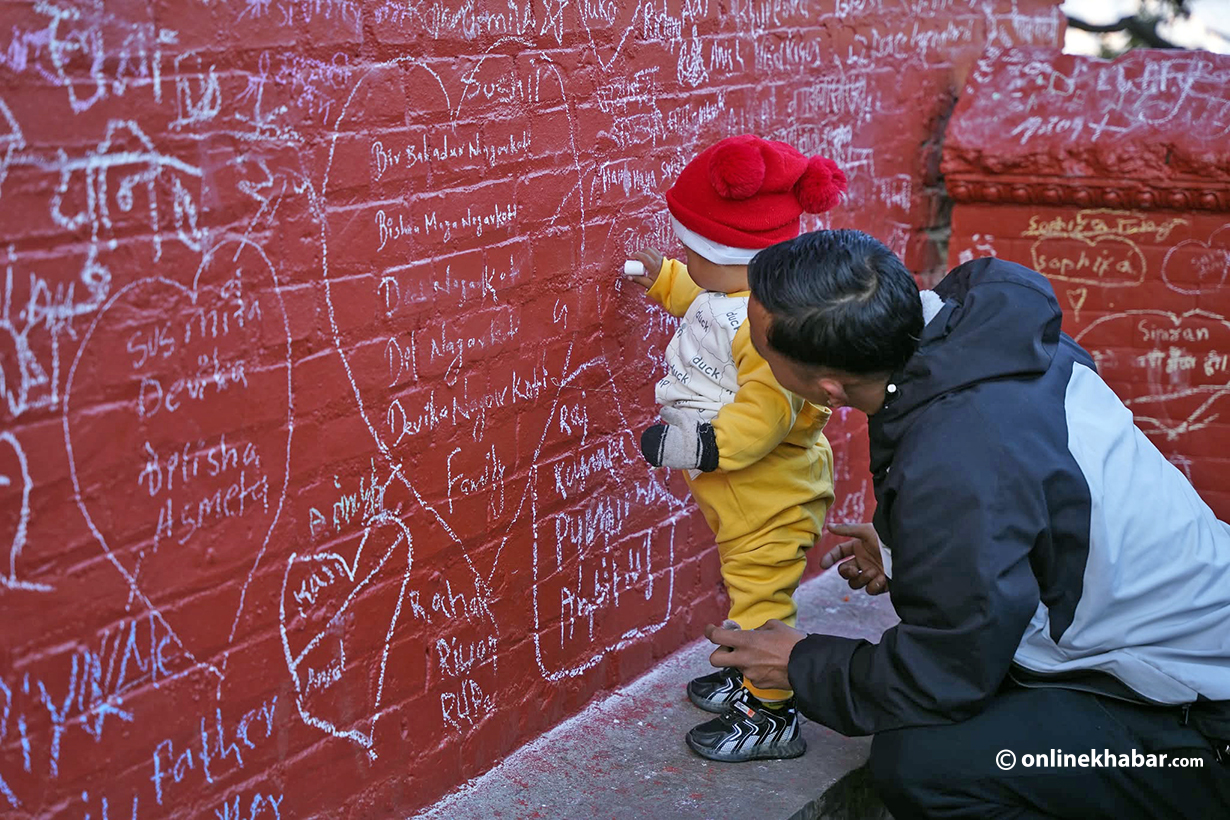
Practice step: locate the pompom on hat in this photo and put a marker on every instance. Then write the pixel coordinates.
(746, 193)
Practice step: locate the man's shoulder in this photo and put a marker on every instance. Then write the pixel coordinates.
(982, 425)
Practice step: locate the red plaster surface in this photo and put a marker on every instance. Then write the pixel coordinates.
(1113, 179)
(321, 490)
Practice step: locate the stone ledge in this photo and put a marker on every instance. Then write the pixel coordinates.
(624, 756)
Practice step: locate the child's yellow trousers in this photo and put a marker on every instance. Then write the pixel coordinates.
(765, 517)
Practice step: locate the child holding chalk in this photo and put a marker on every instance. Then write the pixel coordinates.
(754, 455)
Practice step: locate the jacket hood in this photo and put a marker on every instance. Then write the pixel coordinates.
(999, 320)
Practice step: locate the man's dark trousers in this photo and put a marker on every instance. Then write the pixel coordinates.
(951, 770)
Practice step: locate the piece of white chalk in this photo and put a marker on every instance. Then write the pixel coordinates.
(633, 268)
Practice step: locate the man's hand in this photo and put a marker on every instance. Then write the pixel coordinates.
(652, 259)
(762, 654)
(858, 561)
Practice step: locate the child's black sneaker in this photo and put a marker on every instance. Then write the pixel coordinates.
(717, 690)
(749, 730)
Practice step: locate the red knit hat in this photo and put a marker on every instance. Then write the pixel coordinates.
(748, 192)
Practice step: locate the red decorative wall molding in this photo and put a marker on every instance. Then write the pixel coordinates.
(1087, 193)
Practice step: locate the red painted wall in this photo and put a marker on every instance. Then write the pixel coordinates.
(320, 486)
(1113, 179)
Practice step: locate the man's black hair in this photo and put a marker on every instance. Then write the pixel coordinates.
(840, 300)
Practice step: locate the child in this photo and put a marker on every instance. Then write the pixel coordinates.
(755, 458)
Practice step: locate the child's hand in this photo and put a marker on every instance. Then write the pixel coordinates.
(652, 259)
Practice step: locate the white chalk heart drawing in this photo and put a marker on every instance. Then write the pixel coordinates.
(328, 596)
(1076, 298)
(1193, 267)
(178, 418)
(426, 241)
(328, 607)
(15, 477)
(1184, 359)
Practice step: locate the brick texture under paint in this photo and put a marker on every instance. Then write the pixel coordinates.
(319, 484)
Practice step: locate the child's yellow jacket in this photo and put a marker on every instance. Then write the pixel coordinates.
(775, 465)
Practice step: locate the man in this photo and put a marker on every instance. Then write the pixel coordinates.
(1060, 584)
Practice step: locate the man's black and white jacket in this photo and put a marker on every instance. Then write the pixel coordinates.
(1034, 532)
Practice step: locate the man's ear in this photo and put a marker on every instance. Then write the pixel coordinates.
(835, 390)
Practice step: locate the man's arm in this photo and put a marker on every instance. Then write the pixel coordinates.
(964, 590)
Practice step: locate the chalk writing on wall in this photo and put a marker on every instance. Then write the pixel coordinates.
(1109, 255)
(321, 397)
(1185, 371)
(1107, 177)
